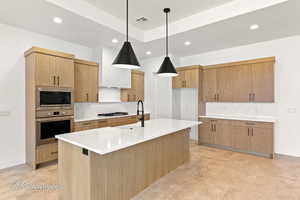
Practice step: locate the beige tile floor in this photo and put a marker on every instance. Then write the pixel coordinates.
(212, 174)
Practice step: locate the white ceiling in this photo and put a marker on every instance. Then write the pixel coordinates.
(153, 9)
(278, 21)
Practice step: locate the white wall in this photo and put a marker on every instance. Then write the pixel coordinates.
(287, 86)
(158, 90)
(14, 42)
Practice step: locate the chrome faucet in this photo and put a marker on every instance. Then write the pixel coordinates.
(142, 119)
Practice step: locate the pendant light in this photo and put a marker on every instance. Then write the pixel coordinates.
(126, 58)
(167, 69)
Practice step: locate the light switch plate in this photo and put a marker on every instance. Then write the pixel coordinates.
(292, 110)
(4, 113)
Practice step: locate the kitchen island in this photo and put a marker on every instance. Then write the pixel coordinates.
(116, 163)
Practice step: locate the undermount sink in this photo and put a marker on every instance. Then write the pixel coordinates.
(131, 126)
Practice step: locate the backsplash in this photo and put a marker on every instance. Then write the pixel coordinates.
(87, 110)
(242, 109)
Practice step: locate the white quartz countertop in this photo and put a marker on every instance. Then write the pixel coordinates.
(110, 139)
(243, 118)
(102, 117)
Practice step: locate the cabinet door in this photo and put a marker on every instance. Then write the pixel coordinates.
(65, 72)
(223, 133)
(191, 78)
(92, 83)
(262, 140)
(224, 84)
(241, 138)
(205, 133)
(263, 82)
(81, 84)
(140, 87)
(45, 70)
(209, 85)
(178, 81)
(242, 83)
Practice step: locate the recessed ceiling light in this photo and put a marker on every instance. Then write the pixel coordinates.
(115, 41)
(187, 43)
(148, 53)
(254, 27)
(57, 20)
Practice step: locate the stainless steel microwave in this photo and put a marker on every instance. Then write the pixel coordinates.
(54, 98)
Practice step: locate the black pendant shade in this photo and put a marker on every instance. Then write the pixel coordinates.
(126, 58)
(167, 68)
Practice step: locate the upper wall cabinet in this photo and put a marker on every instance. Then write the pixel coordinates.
(248, 81)
(188, 77)
(86, 81)
(52, 68)
(136, 92)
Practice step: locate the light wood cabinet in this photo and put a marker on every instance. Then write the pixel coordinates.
(188, 77)
(86, 81)
(65, 72)
(210, 85)
(136, 92)
(242, 83)
(45, 73)
(263, 82)
(246, 81)
(111, 122)
(46, 152)
(224, 84)
(245, 136)
(53, 70)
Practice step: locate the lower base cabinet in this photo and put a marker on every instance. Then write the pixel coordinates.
(245, 136)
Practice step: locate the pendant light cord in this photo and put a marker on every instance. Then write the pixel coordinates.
(127, 20)
(167, 35)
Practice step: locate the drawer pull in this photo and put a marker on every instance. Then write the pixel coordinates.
(54, 152)
(250, 123)
(86, 124)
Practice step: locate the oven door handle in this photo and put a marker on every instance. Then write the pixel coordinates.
(54, 119)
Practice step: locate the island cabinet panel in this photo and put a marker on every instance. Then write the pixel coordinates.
(245, 136)
(74, 172)
(121, 174)
(86, 81)
(188, 77)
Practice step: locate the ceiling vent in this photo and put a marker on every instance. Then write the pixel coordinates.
(141, 19)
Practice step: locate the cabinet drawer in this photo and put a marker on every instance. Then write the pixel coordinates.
(122, 121)
(46, 152)
(253, 124)
(86, 125)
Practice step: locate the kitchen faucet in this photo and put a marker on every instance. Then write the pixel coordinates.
(142, 119)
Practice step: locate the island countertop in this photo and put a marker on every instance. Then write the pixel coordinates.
(110, 139)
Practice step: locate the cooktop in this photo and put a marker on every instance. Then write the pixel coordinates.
(112, 114)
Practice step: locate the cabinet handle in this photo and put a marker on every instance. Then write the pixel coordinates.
(248, 131)
(252, 131)
(58, 80)
(54, 80)
(215, 127)
(87, 96)
(211, 128)
(215, 97)
(218, 99)
(86, 124)
(250, 97)
(253, 97)
(54, 152)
